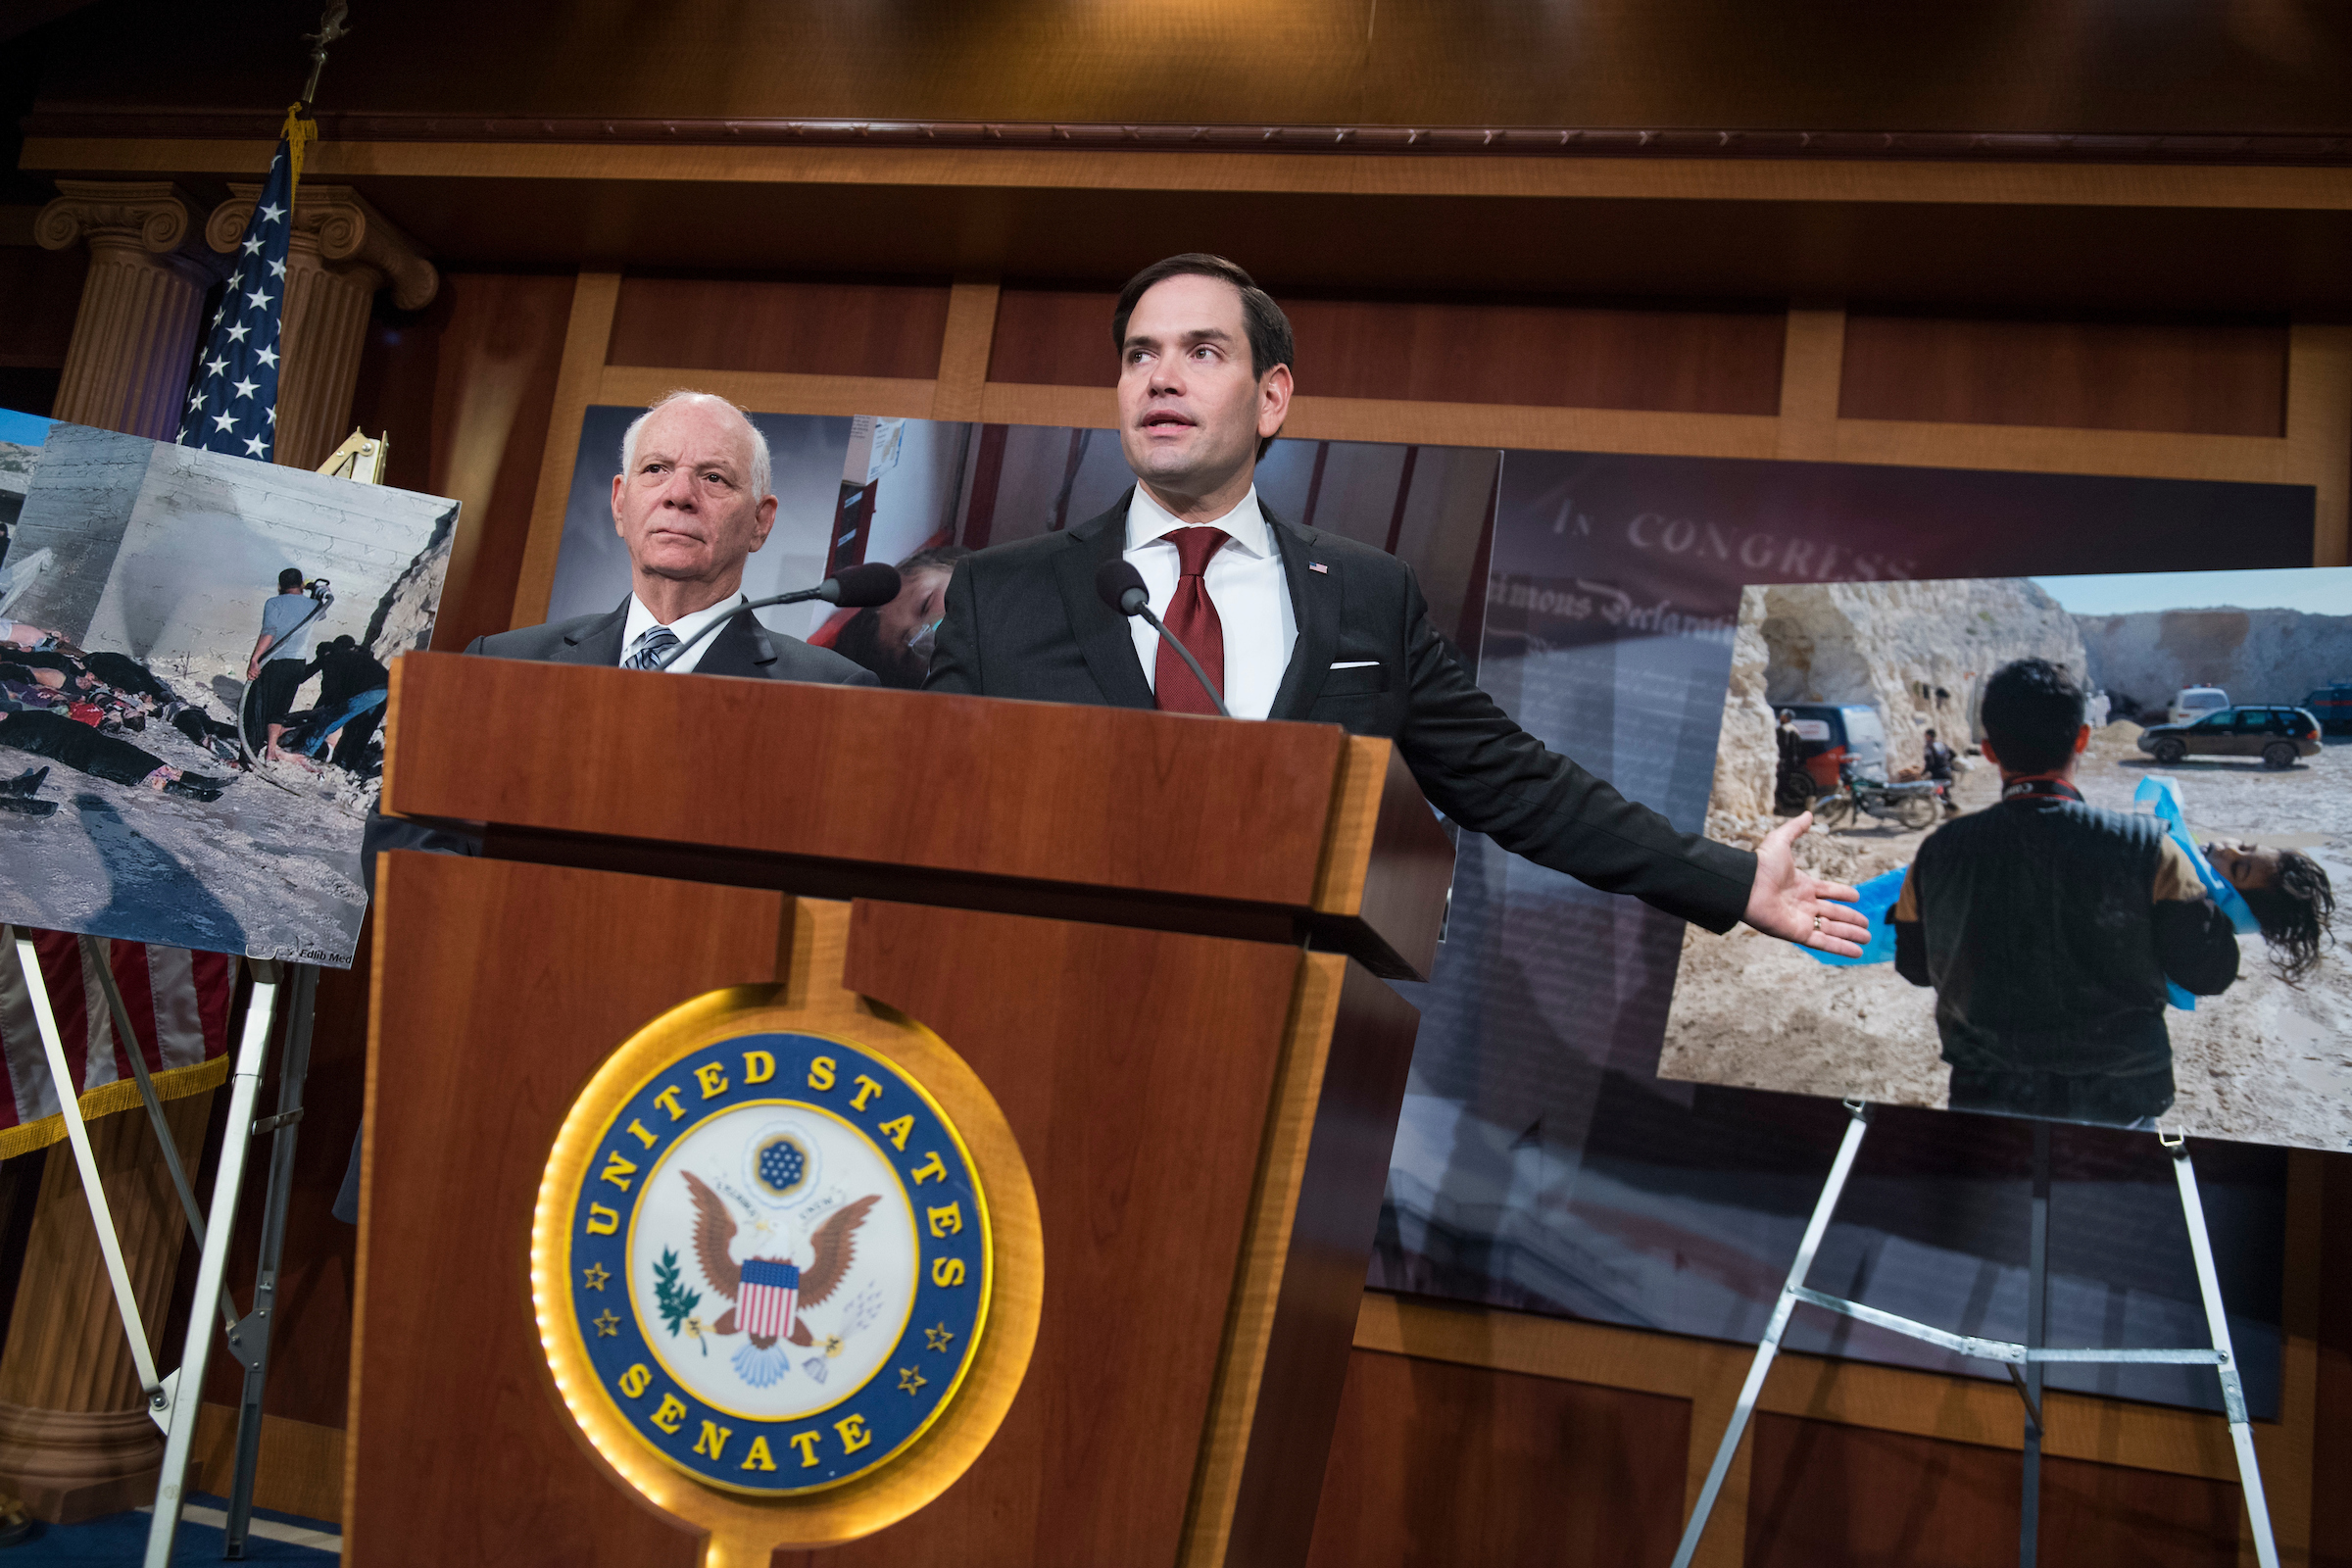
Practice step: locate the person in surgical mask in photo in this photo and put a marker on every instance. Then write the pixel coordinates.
(894, 640)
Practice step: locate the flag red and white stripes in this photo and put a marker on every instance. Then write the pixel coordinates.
(178, 1004)
(769, 1292)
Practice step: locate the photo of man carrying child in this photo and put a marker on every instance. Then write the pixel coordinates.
(2064, 925)
(2049, 927)
(2054, 932)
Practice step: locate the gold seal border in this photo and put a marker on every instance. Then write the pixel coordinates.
(745, 1531)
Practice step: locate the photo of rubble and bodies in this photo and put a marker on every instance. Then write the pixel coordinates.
(2219, 709)
(193, 669)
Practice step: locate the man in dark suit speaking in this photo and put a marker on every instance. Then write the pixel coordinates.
(1294, 623)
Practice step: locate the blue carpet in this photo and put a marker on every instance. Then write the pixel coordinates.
(121, 1539)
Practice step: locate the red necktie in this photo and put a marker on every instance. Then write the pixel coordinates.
(1192, 618)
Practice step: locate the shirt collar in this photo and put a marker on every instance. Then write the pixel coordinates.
(1147, 521)
(641, 620)
(2040, 789)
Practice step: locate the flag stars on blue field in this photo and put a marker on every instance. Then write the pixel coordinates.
(236, 377)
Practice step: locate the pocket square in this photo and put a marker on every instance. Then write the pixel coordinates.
(1355, 663)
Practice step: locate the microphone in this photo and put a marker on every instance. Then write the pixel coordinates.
(857, 587)
(1121, 587)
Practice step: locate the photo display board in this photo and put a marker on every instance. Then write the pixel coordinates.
(2131, 935)
(1543, 1163)
(193, 651)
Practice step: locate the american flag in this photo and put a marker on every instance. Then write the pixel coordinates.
(233, 397)
(771, 1291)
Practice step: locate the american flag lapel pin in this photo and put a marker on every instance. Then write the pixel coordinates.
(1318, 565)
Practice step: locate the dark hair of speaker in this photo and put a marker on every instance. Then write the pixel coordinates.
(1268, 330)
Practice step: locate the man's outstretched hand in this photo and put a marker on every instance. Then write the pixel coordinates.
(1798, 906)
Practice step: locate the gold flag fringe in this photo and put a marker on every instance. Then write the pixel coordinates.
(173, 1083)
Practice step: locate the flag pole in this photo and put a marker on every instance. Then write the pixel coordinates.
(232, 407)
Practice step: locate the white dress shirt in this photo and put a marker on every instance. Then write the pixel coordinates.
(641, 620)
(1244, 580)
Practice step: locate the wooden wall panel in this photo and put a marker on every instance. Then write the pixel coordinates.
(1441, 1466)
(40, 293)
(888, 330)
(467, 390)
(1823, 1496)
(2200, 378)
(1541, 354)
(493, 404)
(1525, 354)
(1055, 337)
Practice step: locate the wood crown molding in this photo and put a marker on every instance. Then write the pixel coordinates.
(1449, 141)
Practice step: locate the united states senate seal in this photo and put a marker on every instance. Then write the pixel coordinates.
(786, 1261)
(778, 1261)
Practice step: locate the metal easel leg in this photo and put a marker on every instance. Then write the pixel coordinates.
(159, 1390)
(2037, 1330)
(249, 1340)
(95, 956)
(245, 1081)
(1770, 1345)
(2233, 1392)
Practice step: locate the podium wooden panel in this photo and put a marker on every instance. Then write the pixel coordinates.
(1271, 831)
(1206, 1114)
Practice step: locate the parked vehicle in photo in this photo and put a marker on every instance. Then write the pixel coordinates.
(2192, 703)
(1915, 805)
(2331, 706)
(2277, 735)
(1838, 733)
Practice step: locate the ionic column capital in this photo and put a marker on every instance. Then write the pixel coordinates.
(351, 237)
(153, 221)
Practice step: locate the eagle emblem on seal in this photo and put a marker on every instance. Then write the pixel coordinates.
(770, 1290)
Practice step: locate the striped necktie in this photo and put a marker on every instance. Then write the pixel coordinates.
(652, 643)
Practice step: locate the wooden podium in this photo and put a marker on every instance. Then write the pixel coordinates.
(1155, 938)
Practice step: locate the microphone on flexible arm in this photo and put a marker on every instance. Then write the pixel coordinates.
(852, 588)
(1122, 588)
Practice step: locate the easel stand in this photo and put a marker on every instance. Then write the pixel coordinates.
(2023, 1363)
(174, 1398)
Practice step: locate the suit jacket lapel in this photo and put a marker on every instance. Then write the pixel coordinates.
(1103, 633)
(597, 644)
(1317, 601)
(739, 648)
